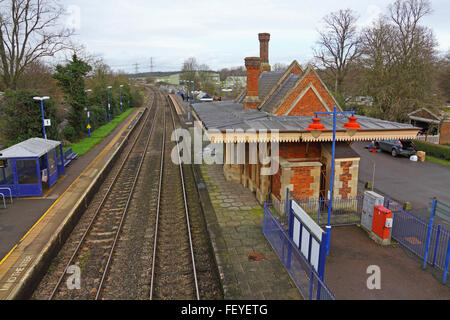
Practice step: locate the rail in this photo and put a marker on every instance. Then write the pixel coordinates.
(99, 207)
(10, 193)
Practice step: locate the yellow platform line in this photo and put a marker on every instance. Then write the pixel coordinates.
(57, 200)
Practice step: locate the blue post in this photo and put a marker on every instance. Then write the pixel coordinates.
(447, 260)
(291, 237)
(89, 122)
(121, 100)
(333, 155)
(43, 120)
(437, 244)
(109, 107)
(430, 229)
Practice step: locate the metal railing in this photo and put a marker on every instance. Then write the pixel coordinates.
(344, 211)
(299, 269)
(411, 232)
(10, 193)
(430, 139)
(4, 202)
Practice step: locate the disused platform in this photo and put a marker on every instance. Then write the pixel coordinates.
(42, 225)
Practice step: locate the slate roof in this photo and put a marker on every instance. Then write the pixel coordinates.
(31, 148)
(266, 81)
(228, 115)
(274, 101)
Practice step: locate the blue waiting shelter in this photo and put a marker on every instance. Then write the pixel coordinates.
(30, 167)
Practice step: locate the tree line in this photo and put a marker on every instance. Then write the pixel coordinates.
(394, 61)
(31, 35)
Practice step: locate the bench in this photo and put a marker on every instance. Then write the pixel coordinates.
(69, 156)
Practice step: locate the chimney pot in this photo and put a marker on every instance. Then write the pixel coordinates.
(253, 66)
(264, 39)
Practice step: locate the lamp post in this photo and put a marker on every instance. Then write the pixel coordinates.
(88, 115)
(121, 86)
(109, 105)
(42, 110)
(316, 129)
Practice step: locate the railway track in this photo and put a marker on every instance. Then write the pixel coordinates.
(144, 238)
(104, 228)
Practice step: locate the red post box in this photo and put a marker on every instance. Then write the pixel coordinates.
(382, 222)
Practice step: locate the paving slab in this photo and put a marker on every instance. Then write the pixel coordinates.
(402, 277)
(240, 228)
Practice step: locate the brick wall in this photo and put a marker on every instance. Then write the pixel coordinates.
(345, 177)
(444, 134)
(299, 150)
(310, 102)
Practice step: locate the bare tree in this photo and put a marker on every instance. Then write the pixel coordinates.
(338, 44)
(280, 67)
(29, 30)
(400, 60)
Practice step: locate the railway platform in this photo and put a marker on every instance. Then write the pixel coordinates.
(31, 230)
(248, 267)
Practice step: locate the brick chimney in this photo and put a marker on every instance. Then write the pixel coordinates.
(253, 66)
(264, 39)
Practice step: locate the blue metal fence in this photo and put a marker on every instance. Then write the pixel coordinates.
(300, 270)
(412, 231)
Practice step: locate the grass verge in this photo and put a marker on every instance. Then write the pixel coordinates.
(82, 147)
(438, 160)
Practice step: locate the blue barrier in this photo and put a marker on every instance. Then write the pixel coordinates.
(427, 241)
(306, 278)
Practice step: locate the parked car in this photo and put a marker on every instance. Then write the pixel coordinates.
(397, 147)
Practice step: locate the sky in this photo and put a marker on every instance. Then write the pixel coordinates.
(219, 33)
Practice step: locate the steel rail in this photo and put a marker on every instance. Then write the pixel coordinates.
(100, 206)
(125, 210)
(163, 147)
(185, 202)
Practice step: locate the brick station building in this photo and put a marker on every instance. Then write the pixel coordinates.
(287, 101)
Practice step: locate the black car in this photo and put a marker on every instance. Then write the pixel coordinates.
(397, 147)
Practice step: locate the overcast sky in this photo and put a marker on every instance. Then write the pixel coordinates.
(219, 33)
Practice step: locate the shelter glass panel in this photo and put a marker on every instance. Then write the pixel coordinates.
(27, 172)
(58, 155)
(52, 162)
(7, 174)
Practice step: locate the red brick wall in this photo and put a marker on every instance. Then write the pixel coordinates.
(310, 103)
(290, 150)
(444, 133)
(296, 70)
(345, 177)
(276, 184)
(302, 181)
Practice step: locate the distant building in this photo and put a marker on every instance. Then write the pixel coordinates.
(361, 101)
(432, 124)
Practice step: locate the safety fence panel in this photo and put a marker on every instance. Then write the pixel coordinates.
(412, 231)
(344, 211)
(299, 267)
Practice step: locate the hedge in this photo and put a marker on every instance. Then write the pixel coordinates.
(435, 150)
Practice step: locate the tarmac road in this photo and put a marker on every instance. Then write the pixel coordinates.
(403, 180)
